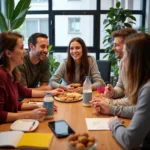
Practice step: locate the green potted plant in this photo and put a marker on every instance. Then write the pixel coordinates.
(53, 63)
(117, 18)
(13, 16)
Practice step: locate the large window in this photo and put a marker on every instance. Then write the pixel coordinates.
(67, 19)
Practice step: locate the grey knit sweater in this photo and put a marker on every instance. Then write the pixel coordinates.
(138, 132)
(61, 74)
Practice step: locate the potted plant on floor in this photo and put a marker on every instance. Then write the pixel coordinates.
(116, 19)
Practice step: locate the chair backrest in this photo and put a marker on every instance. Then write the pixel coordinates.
(104, 67)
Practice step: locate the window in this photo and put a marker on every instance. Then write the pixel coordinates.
(67, 19)
(36, 25)
(31, 27)
(33, 24)
(126, 4)
(62, 27)
(39, 5)
(73, 25)
(74, 4)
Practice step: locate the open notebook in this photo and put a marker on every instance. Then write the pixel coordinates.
(19, 139)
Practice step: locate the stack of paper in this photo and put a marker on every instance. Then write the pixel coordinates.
(97, 123)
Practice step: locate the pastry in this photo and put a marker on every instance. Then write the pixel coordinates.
(75, 85)
(70, 96)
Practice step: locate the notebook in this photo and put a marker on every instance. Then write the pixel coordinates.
(97, 123)
(19, 139)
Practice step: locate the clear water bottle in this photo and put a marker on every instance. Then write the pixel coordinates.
(87, 92)
(48, 103)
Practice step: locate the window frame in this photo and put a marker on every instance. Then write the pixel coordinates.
(96, 28)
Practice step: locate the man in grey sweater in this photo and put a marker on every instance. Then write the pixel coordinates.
(137, 66)
(117, 102)
(116, 96)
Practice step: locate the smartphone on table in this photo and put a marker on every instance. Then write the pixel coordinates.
(60, 128)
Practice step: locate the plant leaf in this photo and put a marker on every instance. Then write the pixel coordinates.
(132, 17)
(19, 20)
(106, 55)
(131, 22)
(118, 4)
(50, 48)
(22, 5)
(106, 25)
(21, 14)
(57, 64)
(17, 23)
(9, 8)
(3, 25)
(109, 31)
(128, 25)
(105, 21)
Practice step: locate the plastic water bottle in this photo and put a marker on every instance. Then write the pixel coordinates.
(87, 92)
(48, 103)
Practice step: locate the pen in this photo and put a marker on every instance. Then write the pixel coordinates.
(31, 126)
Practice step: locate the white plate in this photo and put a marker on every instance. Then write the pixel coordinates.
(66, 101)
(26, 125)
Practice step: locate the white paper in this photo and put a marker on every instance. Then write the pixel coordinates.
(10, 138)
(97, 123)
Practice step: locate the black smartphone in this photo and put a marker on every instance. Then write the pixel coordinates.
(60, 128)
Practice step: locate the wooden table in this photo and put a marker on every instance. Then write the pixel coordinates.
(74, 114)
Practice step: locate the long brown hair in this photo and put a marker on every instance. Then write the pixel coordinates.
(8, 41)
(84, 66)
(138, 70)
